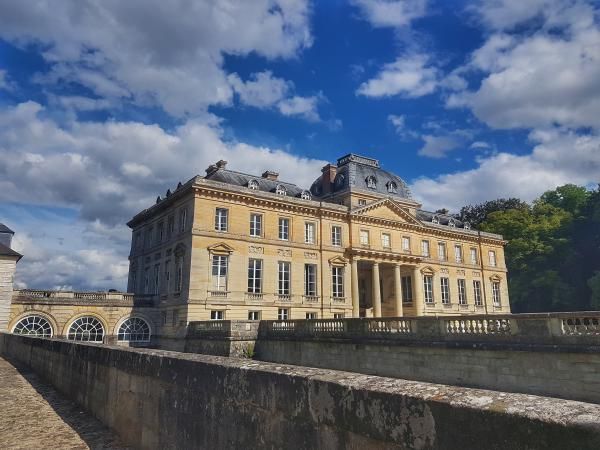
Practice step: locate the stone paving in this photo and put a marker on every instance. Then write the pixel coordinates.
(34, 415)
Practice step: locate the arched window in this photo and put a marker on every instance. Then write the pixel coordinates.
(305, 195)
(33, 326)
(392, 187)
(253, 184)
(371, 182)
(467, 226)
(451, 223)
(87, 329)
(435, 219)
(134, 329)
(280, 190)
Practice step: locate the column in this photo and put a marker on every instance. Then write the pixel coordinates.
(398, 290)
(376, 291)
(418, 291)
(355, 299)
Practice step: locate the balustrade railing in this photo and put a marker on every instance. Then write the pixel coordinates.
(218, 294)
(478, 326)
(581, 326)
(387, 326)
(254, 296)
(24, 294)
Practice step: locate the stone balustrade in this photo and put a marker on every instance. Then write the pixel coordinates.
(577, 328)
(26, 295)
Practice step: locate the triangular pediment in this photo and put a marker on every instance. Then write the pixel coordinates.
(386, 209)
(220, 248)
(338, 261)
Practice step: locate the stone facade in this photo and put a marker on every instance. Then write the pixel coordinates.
(192, 250)
(8, 264)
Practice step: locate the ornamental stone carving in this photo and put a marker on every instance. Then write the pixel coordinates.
(311, 255)
(284, 252)
(256, 249)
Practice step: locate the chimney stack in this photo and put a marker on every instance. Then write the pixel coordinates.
(329, 172)
(270, 175)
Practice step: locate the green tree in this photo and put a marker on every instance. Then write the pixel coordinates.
(476, 214)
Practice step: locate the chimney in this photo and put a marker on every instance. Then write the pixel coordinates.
(270, 175)
(221, 164)
(329, 171)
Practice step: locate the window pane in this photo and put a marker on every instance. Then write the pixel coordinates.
(255, 276)
(284, 229)
(310, 279)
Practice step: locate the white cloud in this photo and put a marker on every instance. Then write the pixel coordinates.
(164, 52)
(539, 79)
(391, 13)
(105, 173)
(399, 124)
(558, 157)
(409, 76)
(480, 145)
(264, 91)
(439, 146)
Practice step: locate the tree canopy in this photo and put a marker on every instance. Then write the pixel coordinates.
(553, 250)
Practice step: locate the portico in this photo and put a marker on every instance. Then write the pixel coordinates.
(385, 285)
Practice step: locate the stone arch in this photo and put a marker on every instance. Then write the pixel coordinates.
(34, 312)
(132, 315)
(96, 315)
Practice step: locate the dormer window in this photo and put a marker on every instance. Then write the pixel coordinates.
(467, 226)
(253, 184)
(280, 190)
(435, 219)
(371, 182)
(392, 187)
(305, 195)
(452, 223)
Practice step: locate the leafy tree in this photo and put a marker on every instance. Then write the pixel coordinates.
(475, 214)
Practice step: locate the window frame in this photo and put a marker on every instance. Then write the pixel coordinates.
(310, 280)
(364, 233)
(337, 282)
(425, 245)
(283, 228)
(445, 291)
(221, 220)
(283, 313)
(406, 289)
(496, 294)
(442, 255)
(310, 233)
(217, 314)
(256, 225)
(428, 295)
(217, 263)
(493, 262)
(284, 278)
(459, 256)
(336, 235)
(389, 240)
(474, 256)
(477, 295)
(254, 315)
(406, 240)
(255, 276)
(461, 285)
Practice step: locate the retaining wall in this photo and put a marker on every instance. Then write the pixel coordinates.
(159, 399)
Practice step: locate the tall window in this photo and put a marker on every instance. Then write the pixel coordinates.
(283, 313)
(386, 240)
(362, 202)
(428, 288)
(310, 279)
(170, 226)
(161, 232)
(255, 276)
(284, 229)
(442, 251)
(405, 244)
(477, 293)
(407, 294)
(492, 255)
(220, 265)
(458, 254)
(462, 291)
(179, 275)
(337, 282)
(496, 293)
(256, 225)
(167, 285)
(336, 235)
(221, 219)
(182, 219)
(309, 232)
(217, 315)
(445, 288)
(473, 256)
(425, 248)
(283, 284)
(364, 237)
(156, 280)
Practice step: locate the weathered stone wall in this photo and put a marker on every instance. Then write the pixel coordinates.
(7, 271)
(159, 399)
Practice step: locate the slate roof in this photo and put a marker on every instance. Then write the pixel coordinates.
(353, 171)
(5, 229)
(242, 179)
(7, 251)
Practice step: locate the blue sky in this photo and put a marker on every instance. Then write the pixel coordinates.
(103, 106)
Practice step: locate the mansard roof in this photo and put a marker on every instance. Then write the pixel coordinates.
(5, 229)
(243, 179)
(7, 251)
(356, 172)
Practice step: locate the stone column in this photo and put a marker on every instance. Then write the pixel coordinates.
(398, 290)
(376, 291)
(417, 283)
(355, 298)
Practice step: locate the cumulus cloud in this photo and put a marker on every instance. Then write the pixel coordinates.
(539, 79)
(408, 76)
(264, 91)
(558, 157)
(391, 13)
(142, 52)
(399, 124)
(105, 172)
